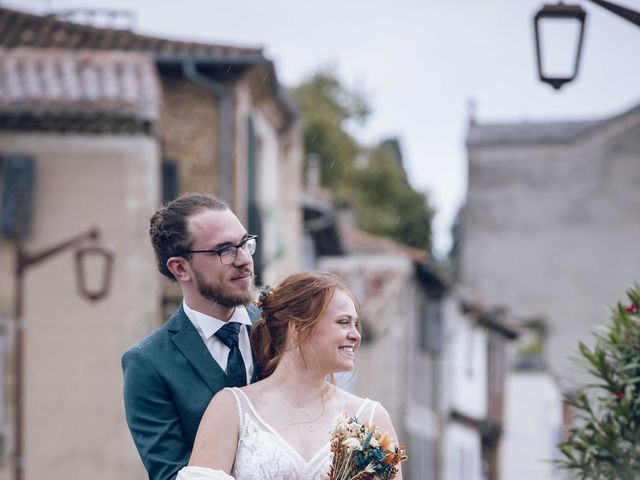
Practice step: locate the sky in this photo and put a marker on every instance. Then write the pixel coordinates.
(425, 66)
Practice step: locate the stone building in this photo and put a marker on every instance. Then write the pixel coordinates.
(92, 161)
(550, 229)
(110, 123)
(226, 125)
(432, 354)
(551, 223)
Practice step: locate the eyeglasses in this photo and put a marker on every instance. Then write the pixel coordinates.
(229, 253)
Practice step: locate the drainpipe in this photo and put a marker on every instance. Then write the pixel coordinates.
(191, 72)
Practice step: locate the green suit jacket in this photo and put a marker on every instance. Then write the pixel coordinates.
(169, 380)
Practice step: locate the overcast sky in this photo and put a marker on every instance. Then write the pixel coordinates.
(419, 63)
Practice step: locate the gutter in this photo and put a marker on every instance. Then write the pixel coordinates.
(191, 72)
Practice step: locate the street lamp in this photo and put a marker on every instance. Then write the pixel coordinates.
(551, 19)
(87, 246)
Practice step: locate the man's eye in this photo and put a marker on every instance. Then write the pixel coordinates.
(225, 250)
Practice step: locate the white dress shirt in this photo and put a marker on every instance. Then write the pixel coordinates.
(207, 326)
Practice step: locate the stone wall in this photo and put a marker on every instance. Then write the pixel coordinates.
(73, 408)
(551, 230)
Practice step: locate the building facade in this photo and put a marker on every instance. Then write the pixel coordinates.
(551, 223)
(110, 124)
(549, 229)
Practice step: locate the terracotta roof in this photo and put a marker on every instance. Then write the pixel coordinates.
(359, 241)
(21, 29)
(29, 30)
(47, 83)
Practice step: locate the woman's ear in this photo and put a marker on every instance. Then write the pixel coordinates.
(293, 336)
(180, 268)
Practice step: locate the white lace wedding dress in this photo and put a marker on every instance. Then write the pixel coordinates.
(263, 454)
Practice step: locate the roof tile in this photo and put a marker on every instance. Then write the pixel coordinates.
(69, 82)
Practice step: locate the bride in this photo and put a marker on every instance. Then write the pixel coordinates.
(278, 428)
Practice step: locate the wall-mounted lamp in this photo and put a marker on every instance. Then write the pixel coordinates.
(554, 17)
(562, 16)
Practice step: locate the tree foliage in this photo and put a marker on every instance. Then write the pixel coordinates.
(371, 179)
(605, 442)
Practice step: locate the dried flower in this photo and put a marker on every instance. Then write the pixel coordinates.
(362, 452)
(352, 444)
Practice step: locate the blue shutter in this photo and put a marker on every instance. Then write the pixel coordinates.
(18, 173)
(254, 222)
(170, 180)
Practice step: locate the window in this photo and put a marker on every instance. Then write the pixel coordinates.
(17, 194)
(430, 325)
(170, 180)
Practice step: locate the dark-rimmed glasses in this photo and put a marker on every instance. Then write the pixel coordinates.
(228, 253)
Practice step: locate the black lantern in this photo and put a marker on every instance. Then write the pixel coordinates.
(554, 19)
(94, 253)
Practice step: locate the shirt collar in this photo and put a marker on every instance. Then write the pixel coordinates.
(208, 325)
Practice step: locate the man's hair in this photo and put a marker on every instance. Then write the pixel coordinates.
(168, 227)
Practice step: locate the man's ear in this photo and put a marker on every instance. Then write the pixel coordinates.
(179, 267)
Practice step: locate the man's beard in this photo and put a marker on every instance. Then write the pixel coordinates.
(217, 294)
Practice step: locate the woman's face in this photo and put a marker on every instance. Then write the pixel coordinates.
(336, 338)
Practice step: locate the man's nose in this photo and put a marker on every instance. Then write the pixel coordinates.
(243, 258)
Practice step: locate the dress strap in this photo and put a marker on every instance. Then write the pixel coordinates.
(362, 407)
(235, 391)
(373, 412)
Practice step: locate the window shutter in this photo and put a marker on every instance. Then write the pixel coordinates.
(170, 180)
(18, 173)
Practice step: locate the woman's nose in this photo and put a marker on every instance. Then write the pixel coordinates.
(354, 334)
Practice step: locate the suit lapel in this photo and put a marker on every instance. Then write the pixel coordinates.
(189, 343)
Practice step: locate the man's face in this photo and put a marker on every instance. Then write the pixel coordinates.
(226, 285)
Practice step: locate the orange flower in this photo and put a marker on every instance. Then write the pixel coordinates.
(386, 442)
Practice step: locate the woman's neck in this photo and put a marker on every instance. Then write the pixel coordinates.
(300, 381)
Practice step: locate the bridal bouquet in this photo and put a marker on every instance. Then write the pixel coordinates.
(362, 452)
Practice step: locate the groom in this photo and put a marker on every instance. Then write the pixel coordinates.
(170, 376)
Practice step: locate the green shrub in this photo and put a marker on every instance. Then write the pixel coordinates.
(604, 443)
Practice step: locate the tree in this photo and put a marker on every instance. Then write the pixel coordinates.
(326, 108)
(371, 179)
(386, 204)
(605, 442)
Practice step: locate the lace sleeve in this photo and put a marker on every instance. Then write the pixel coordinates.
(202, 473)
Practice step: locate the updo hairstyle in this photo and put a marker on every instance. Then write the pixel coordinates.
(300, 299)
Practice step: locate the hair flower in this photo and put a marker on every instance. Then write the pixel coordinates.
(263, 296)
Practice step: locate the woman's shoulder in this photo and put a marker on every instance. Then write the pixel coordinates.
(351, 401)
(366, 407)
(223, 402)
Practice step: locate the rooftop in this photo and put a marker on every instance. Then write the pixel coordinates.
(28, 30)
(529, 132)
(52, 89)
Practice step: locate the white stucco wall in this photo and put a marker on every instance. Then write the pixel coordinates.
(532, 427)
(280, 157)
(464, 370)
(462, 453)
(74, 417)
